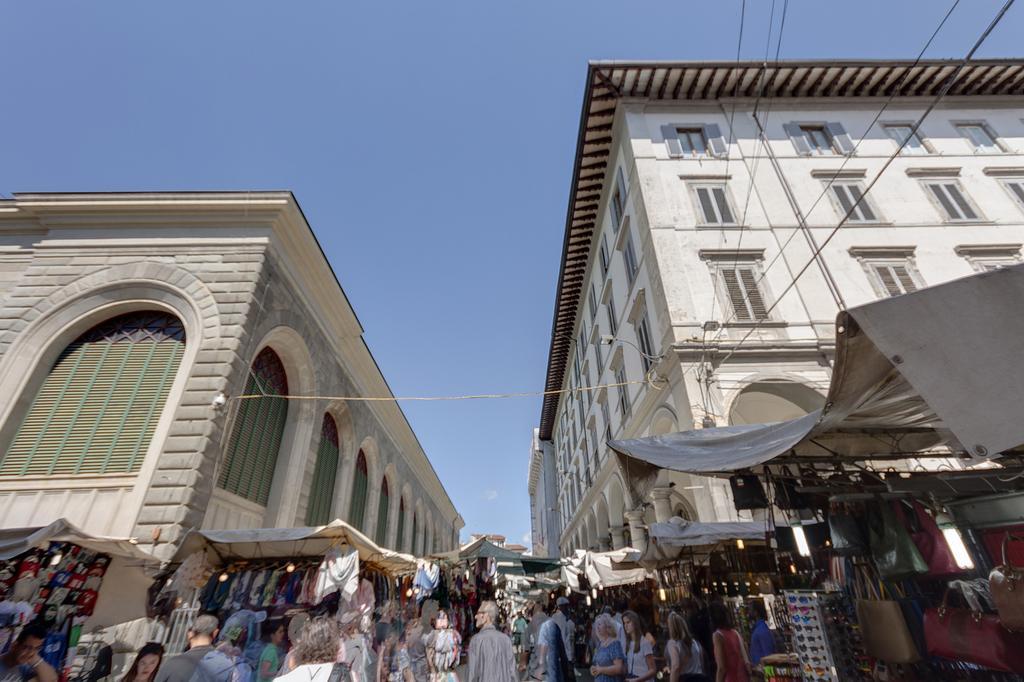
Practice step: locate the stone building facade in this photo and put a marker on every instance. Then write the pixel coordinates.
(131, 325)
(690, 294)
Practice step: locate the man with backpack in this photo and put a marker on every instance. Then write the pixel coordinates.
(202, 662)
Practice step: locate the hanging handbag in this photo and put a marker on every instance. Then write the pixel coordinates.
(1006, 583)
(747, 492)
(972, 636)
(848, 538)
(895, 555)
(884, 630)
(927, 538)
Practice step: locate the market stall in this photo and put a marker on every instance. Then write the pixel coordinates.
(72, 582)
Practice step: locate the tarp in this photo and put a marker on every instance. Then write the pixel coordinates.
(905, 370)
(224, 546)
(535, 565)
(680, 533)
(600, 571)
(123, 594)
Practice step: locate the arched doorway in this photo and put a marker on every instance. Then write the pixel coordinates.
(773, 401)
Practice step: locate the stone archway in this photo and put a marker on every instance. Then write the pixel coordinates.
(768, 401)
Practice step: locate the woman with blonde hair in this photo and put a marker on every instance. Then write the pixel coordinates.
(685, 655)
(639, 652)
(609, 661)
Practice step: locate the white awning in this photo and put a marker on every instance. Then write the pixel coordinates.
(224, 546)
(681, 533)
(937, 366)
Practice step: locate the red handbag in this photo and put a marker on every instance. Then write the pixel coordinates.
(928, 539)
(964, 635)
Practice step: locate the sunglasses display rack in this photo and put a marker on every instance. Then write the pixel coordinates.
(820, 635)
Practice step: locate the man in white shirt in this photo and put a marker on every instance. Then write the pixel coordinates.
(568, 628)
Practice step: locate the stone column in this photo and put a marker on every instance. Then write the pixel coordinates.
(618, 536)
(637, 530)
(662, 504)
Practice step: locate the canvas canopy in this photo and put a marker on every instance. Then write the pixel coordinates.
(600, 569)
(224, 546)
(123, 594)
(680, 533)
(886, 396)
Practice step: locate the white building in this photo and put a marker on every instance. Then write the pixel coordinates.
(545, 523)
(687, 224)
(125, 319)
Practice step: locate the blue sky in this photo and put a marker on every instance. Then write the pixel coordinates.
(429, 143)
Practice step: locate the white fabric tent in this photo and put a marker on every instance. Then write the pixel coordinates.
(680, 533)
(599, 568)
(225, 546)
(937, 366)
(124, 591)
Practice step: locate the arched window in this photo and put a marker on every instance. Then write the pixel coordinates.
(321, 492)
(415, 533)
(100, 401)
(400, 535)
(256, 437)
(357, 508)
(383, 506)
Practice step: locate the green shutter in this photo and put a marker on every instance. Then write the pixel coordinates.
(321, 492)
(357, 508)
(382, 513)
(400, 535)
(248, 469)
(98, 406)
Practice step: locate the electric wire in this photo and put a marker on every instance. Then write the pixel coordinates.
(913, 132)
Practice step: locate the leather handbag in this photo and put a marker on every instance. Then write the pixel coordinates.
(965, 635)
(747, 492)
(884, 631)
(895, 554)
(848, 538)
(927, 538)
(1006, 583)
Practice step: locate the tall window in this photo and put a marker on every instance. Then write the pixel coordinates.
(100, 401)
(613, 321)
(618, 202)
(713, 204)
(898, 132)
(980, 137)
(845, 196)
(383, 507)
(692, 141)
(643, 337)
(738, 281)
(893, 277)
(325, 471)
(629, 259)
(256, 437)
(620, 378)
(952, 200)
(605, 259)
(400, 534)
(592, 296)
(415, 534)
(818, 139)
(1016, 189)
(357, 507)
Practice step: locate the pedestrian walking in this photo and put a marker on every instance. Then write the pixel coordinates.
(202, 662)
(761, 641)
(443, 650)
(609, 663)
(491, 658)
(146, 663)
(568, 628)
(22, 660)
(394, 659)
(685, 655)
(639, 651)
(269, 663)
(317, 653)
(555, 663)
(730, 654)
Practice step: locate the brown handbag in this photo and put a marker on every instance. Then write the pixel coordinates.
(1006, 583)
(883, 628)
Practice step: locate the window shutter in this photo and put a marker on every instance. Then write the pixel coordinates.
(892, 287)
(723, 205)
(905, 280)
(704, 199)
(383, 508)
(321, 493)
(754, 298)
(671, 135)
(798, 138)
(841, 140)
(939, 191)
(620, 183)
(716, 142)
(734, 291)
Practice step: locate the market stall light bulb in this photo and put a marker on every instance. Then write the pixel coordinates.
(792, 569)
(958, 548)
(661, 594)
(290, 568)
(408, 593)
(739, 544)
(223, 577)
(593, 593)
(588, 600)
(801, 541)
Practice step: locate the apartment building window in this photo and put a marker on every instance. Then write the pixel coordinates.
(606, 417)
(620, 378)
(593, 441)
(609, 306)
(988, 257)
(592, 300)
(900, 132)
(643, 337)
(738, 280)
(618, 202)
(1016, 189)
(952, 201)
(980, 137)
(580, 411)
(629, 259)
(819, 139)
(891, 270)
(596, 342)
(714, 205)
(694, 141)
(845, 196)
(603, 254)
